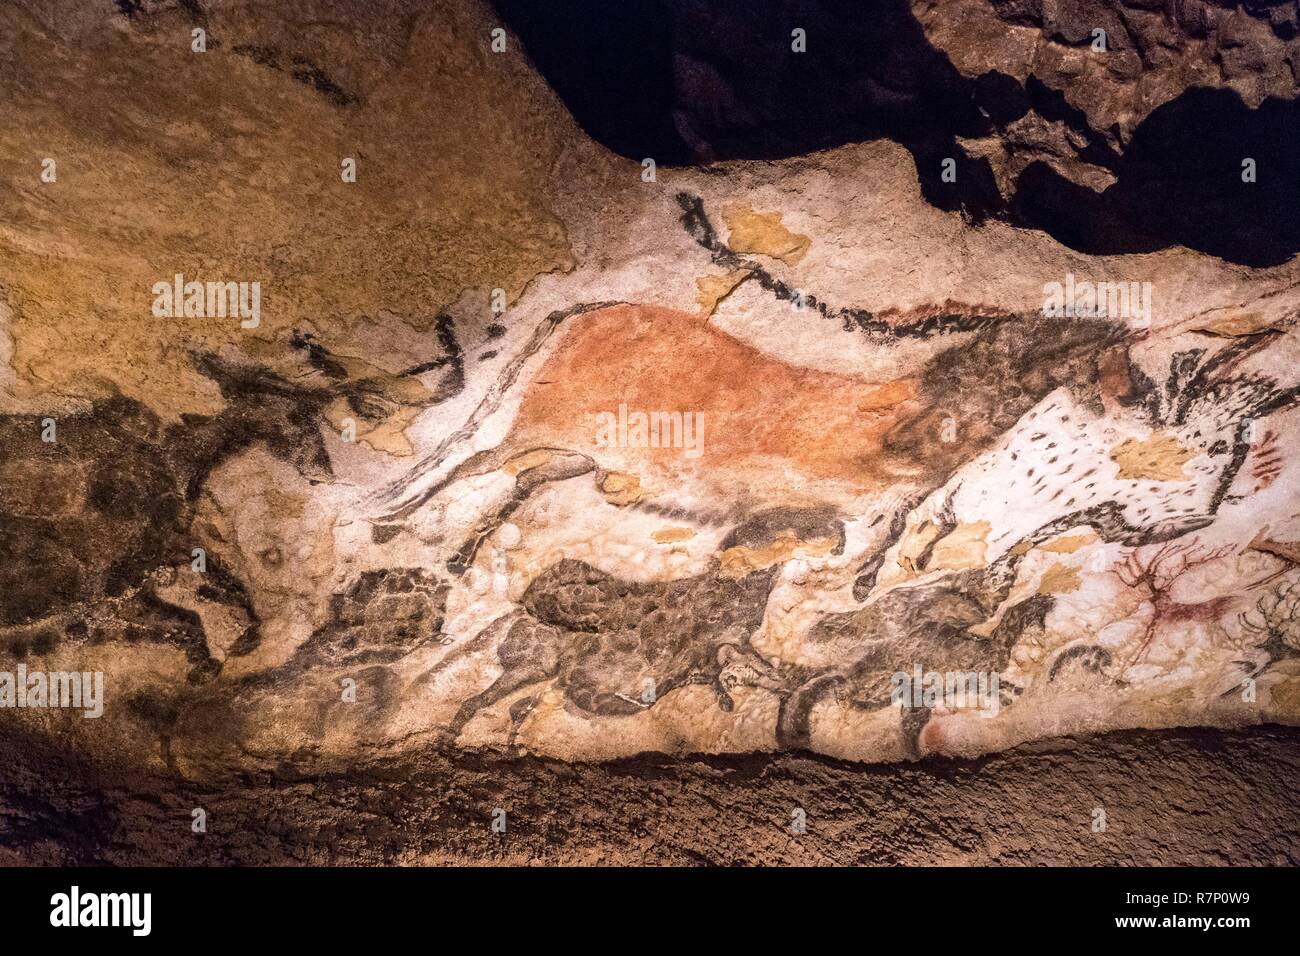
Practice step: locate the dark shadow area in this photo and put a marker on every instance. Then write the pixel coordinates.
(688, 81)
(611, 63)
(692, 82)
(1181, 181)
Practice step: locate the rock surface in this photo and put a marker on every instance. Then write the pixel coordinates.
(1033, 805)
(535, 453)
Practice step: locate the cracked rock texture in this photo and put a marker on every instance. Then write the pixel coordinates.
(952, 345)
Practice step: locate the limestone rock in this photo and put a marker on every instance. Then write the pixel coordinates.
(536, 449)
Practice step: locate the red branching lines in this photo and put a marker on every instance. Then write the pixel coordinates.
(1156, 573)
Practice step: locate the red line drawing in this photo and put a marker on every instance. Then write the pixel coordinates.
(1268, 461)
(1156, 573)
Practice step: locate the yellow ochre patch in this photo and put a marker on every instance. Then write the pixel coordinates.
(763, 233)
(1059, 579)
(669, 535)
(620, 489)
(713, 289)
(742, 560)
(1158, 458)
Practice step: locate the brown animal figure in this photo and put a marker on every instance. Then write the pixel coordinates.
(774, 434)
(617, 647)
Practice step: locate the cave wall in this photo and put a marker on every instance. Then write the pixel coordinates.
(427, 519)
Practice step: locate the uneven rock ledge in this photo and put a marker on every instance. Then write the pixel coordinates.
(1187, 797)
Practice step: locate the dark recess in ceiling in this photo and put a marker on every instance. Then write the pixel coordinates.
(693, 82)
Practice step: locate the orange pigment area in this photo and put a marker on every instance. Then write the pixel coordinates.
(763, 419)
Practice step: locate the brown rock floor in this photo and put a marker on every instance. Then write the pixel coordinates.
(1187, 797)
